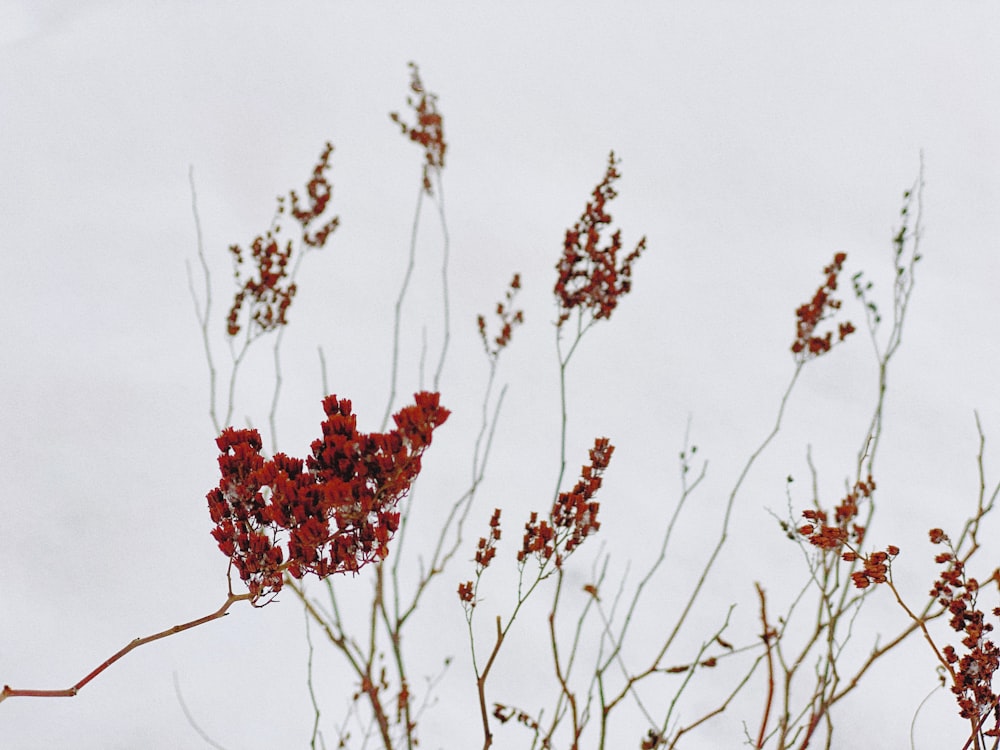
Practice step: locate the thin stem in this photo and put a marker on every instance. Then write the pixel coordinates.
(444, 280)
(398, 313)
(9, 692)
(190, 718)
(309, 684)
(767, 636)
(723, 536)
(203, 314)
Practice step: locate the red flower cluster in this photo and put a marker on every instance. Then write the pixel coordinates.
(843, 531)
(269, 300)
(429, 130)
(466, 592)
(338, 507)
(320, 191)
(875, 568)
(271, 293)
(573, 516)
(486, 550)
(807, 344)
(972, 674)
(508, 319)
(589, 276)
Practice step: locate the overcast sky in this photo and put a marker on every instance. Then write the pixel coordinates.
(756, 141)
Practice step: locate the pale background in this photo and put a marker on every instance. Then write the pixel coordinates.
(757, 140)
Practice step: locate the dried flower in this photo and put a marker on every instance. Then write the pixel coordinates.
(875, 568)
(972, 673)
(843, 530)
(486, 549)
(573, 516)
(337, 508)
(508, 320)
(429, 128)
(590, 278)
(270, 293)
(807, 344)
(320, 191)
(465, 592)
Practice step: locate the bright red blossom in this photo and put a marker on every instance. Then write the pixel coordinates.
(336, 510)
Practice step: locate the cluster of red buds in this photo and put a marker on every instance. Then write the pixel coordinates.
(807, 344)
(319, 191)
(508, 320)
(846, 532)
(336, 510)
(843, 530)
(573, 516)
(590, 278)
(486, 550)
(428, 131)
(972, 673)
(270, 292)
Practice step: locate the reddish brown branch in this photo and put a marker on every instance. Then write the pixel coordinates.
(9, 692)
(767, 636)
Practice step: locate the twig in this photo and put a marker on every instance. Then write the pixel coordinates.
(9, 692)
(190, 719)
(767, 636)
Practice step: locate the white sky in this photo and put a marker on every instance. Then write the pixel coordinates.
(756, 140)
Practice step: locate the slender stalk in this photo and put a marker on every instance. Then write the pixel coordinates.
(767, 636)
(444, 280)
(398, 310)
(203, 314)
(9, 692)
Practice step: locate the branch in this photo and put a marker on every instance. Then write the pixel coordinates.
(9, 692)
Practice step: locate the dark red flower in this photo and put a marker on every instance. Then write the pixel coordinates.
(590, 278)
(269, 294)
(807, 344)
(428, 131)
(573, 516)
(335, 511)
(509, 319)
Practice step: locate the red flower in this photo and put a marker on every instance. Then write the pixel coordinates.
(336, 509)
(270, 294)
(589, 275)
(508, 320)
(320, 191)
(807, 344)
(429, 129)
(465, 592)
(573, 516)
(971, 673)
(843, 530)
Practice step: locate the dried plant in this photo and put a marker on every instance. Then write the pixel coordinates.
(345, 508)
